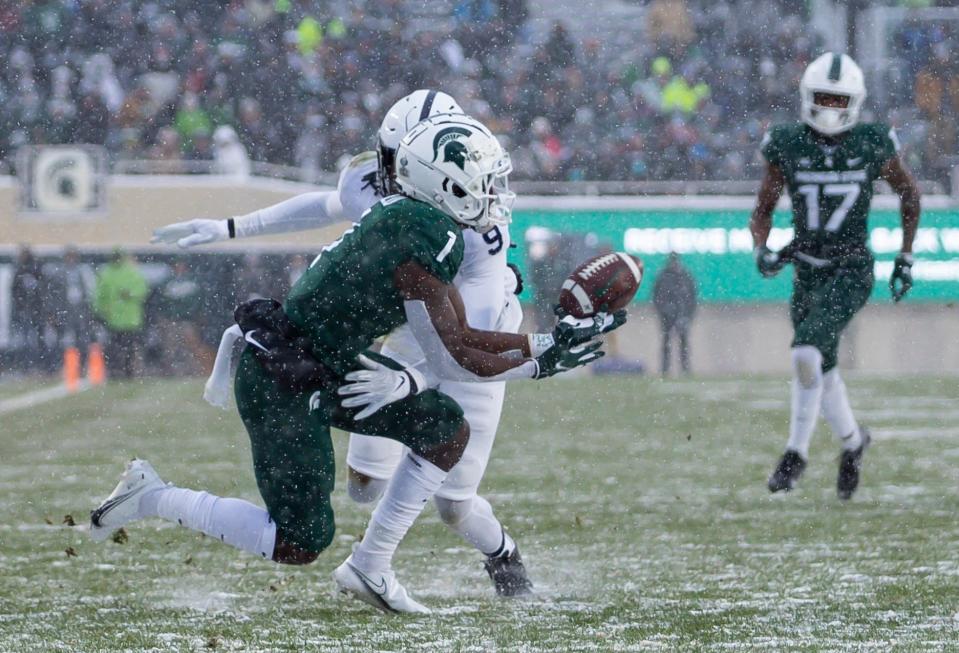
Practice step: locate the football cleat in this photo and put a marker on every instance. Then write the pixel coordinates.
(509, 574)
(379, 589)
(849, 464)
(788, 471)
(123, 504)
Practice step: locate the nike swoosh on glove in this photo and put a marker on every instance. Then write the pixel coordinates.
(378, 386)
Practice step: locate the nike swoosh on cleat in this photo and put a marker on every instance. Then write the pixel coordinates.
(378, 589)
(106, 506)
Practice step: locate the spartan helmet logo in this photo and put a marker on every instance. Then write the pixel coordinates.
(453, 150)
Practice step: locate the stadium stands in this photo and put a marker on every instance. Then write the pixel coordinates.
(665, 89)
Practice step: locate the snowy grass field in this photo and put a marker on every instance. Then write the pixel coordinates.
(640, 507)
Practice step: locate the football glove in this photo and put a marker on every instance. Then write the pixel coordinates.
(193, 232)
(571, 331)
(769, 262)
(901, 273)
(559, 359)
(378, 386)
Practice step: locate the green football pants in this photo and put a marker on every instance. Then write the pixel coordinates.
(823, 304)
(293, 452)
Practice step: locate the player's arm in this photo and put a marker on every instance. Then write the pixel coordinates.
(439, 329)
(904, 185)
(761, 220)
(306, 211)
(569, 332)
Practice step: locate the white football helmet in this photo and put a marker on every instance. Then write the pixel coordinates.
(455, 164)
(835, 74)
(406, 112)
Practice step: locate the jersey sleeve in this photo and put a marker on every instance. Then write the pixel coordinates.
(771, 146)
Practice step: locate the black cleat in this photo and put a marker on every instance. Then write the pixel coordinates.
(849, 464)
(508, 574)
(788, 471)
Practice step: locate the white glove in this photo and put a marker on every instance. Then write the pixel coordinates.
(378, 385)
(193, 232)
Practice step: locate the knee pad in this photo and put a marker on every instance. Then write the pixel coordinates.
(365, 489)
(453, 512)
(807, 365)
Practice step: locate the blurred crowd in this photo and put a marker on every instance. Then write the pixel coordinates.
(686, 95)
(159, 314)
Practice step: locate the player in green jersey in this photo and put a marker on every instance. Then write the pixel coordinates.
(308, 367)
(828, 163)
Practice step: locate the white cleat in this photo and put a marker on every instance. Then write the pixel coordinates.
(123, 504)
(379, 589)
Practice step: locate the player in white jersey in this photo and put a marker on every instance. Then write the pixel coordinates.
(488, 288)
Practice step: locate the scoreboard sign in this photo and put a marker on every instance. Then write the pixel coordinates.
(65, 181)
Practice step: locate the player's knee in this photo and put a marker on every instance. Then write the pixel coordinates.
(363, 488)
(302, 550)
(453, 512)
(807, 365)
(291, 554)
(450, 450)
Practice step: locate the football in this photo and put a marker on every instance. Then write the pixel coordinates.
(603, 283)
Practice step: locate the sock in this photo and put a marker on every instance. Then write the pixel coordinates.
(473, 519)
(806, 397)
(233, 521)
(838, 412)
(413, 484)
(367, 493)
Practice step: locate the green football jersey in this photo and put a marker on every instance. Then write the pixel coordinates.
(346, 298)
(830, 183)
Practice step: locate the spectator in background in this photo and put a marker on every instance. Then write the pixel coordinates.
(71, 287)
(180, 310)
(669, 26)
(230, 157)
(28, 320)
(121, 294)
(674, 297)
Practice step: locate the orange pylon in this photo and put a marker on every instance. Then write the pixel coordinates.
(71, 368)
(96, 368)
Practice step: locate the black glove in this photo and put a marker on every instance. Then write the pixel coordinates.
(769, 262)
(519, 277)
(559, 359)
(280, 350)
(901, 272)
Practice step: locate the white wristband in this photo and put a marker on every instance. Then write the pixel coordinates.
(539, 343)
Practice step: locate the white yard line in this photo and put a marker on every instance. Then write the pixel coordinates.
(42, 396)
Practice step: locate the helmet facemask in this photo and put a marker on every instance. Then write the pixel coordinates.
(829, 119)
(485, 201)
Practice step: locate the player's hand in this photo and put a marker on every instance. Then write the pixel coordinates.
(769, 262)
(571, 331)
(193, 232)
(901, 273)
(559, 359)
(378, 386)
